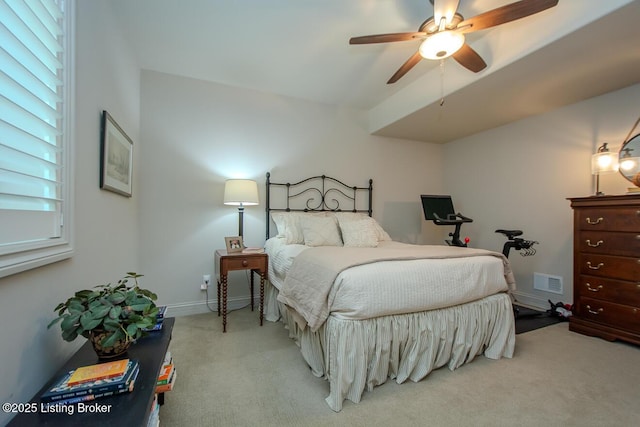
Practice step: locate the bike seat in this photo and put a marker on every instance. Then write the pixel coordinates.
(510, 233)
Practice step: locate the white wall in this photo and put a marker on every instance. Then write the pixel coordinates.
(197, 134)
(520, 175)
(189, 136)
(105, 223)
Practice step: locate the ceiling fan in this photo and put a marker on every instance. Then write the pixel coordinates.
(443, 33)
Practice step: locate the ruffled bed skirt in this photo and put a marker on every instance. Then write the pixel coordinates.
(357, 355)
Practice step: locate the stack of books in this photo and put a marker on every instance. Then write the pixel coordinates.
(162, 309)
(168, 374)
(154, 415)
(93, 382)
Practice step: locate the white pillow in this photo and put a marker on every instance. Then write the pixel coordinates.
(288, 226)
(359, 233)
(383, 236)
(320, 231)
(354, 216)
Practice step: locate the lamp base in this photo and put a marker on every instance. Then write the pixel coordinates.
(240, 220)
(598, 192)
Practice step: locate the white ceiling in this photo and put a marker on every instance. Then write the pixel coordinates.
(299, 48)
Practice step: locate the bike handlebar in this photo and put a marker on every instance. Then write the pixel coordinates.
(457, 219)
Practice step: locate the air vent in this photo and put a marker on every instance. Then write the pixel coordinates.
(547, 283)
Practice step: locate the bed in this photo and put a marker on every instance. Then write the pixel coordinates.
(364, 309)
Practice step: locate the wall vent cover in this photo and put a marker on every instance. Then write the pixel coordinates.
(548, 283)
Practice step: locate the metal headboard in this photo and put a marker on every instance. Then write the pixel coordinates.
(330, 190)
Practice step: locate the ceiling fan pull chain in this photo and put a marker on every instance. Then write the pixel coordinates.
(441, 82)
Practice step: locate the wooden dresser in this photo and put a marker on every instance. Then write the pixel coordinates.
(606, 267)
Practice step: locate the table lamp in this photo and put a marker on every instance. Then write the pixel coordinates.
(240, 193)
(603, 161)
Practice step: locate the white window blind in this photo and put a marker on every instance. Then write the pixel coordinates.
(36, 82)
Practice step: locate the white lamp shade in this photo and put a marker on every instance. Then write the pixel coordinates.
(240, 192)
(441, 45)
(604, 162)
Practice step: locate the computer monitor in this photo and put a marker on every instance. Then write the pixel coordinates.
(440, 205)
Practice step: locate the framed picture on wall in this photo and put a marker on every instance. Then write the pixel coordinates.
(116, 157)
(234, 244)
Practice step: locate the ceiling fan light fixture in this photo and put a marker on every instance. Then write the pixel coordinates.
(441, 45)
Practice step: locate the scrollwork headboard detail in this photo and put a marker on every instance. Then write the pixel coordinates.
(331, 193)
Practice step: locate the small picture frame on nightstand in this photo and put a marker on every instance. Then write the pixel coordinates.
(234, 244)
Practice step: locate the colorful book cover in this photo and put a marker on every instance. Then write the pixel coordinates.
(93, 396)
(155, 327)
(165, 374)
(162, 309)
(169, 386)
(99, 371)
(62, 390)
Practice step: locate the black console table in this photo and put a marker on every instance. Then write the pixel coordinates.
(128, 409)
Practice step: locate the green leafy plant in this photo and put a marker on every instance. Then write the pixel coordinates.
(123, 311)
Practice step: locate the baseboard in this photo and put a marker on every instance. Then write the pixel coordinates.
(211, 306)
(531, 301)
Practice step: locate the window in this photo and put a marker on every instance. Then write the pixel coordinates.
(36, 88)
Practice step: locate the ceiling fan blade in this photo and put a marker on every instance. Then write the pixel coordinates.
(469, 58)
(504, 14)
(404, 69)
(444, 8)
(385, 38)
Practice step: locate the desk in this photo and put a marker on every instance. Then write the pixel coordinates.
(225, 262)
(128, 409)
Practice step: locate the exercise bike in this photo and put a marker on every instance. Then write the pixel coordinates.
(439, 209)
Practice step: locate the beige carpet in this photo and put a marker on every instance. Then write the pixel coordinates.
(255, 376)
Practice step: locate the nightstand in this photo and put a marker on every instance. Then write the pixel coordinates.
(225, 262)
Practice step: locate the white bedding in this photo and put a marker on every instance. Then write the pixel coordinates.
(391, 319)
(355, 356)
(398, 286)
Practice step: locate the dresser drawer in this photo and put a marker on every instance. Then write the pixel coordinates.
(611, 243)
(243, 263)
(619, 219)
(614, 267)
(606, 273)
(609, 290)
(616, 315)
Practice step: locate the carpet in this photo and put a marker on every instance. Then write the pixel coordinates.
(256, 376)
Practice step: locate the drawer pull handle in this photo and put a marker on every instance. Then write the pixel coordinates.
(598, 289)
(598, 243)
(600, 310)
(597, 221)
(598, 267)
(245, 262)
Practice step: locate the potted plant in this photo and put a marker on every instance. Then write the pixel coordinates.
(112, 317)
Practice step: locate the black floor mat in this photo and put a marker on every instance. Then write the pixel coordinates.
(528, 319)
